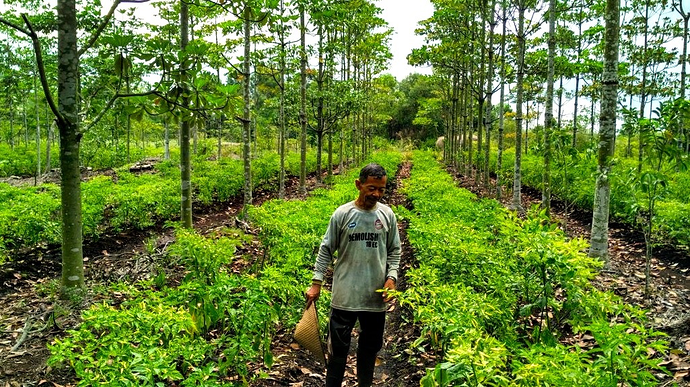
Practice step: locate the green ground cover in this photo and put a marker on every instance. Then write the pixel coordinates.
(215, 328)
(573, 179)
(30, 216)
(508, 302)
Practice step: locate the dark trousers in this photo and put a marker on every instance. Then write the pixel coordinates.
(340, 327)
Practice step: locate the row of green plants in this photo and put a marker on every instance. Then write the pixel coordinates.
(507, 301)
(215, 328)
(30, 216)
(573, 179)
(21, 160)
(206, 331)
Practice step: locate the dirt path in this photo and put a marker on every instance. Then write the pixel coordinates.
(396, 367)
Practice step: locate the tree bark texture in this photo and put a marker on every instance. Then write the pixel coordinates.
(607, 128)
(516, 202)
(548, 111)
(70, 184)
(185, 130)
(246, 115)
(303, 102)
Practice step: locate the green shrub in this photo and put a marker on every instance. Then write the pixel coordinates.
(498, 297)
(203, 333)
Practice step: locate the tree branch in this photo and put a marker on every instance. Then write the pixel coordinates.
(41, 70)
(99, 30)
(16, 27)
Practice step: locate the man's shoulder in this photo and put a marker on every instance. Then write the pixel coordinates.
(385, 209)
(344, 208)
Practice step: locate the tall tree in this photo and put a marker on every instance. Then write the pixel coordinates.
(185, 127)
(303, 97)
(607, 128)
(685, 15)
(66, 118)
(548, 113)
(516, 202)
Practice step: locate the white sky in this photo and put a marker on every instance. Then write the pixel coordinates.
(403, 16)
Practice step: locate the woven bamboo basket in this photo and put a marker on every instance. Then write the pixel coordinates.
(307, 334)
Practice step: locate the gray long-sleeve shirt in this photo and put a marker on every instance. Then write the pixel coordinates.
(368, 251)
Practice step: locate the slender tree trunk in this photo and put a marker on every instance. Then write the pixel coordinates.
(49, 138)
(452, 141)
(26, 122)
(684, 57)
(577, 75)
(166, 139)
(11, 109)
(607, 125)
(319, 108)
(548, 111)
(462, 129)
(246, 116)
(70, 181)
(488, 122)
(38, 129)
(282, 134)
(501, 118)
(129, 125)
(516, 203)
(185, 130)
(303, 101)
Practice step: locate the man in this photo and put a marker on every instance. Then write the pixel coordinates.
(365, 235)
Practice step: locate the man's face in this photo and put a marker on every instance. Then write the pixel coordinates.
(370, 191)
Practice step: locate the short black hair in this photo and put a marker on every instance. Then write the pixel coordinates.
(372, 169)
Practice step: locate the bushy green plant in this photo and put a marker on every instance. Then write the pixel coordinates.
(203, 333)
(30, 216)
(496, 295)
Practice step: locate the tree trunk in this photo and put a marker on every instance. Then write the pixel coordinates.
(282, 134)
(129, 125)
(319, 108)
(501, 118)
(643, 90)
(49, 139)
(489, 95)
(246, 116)
(607, 127)
(303, 101)
(548, 111)
(577, 75)
(516, 203)
(185, 156)
(38, 129)
(70, 181)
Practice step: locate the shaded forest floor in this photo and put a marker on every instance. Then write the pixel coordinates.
(28, 289)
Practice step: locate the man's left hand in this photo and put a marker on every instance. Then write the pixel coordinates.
(388, 285)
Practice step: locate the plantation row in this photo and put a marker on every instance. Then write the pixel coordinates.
(30, 216)
(508, 302)
(21, 160)
(504, 301)
(573, 179)
(216, 327)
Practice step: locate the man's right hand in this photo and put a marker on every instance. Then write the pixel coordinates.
(313, 294)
